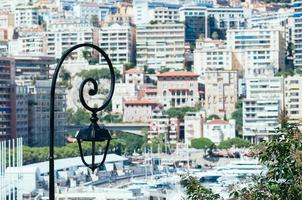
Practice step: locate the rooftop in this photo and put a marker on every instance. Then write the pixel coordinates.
(217, 122)
(177, 74)
(140, 102)
(134, 71)
(73, 162)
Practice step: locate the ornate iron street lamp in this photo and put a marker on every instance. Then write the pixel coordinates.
(94, 133)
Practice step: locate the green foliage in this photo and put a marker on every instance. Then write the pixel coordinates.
(285, 73)
(237, 116)
(81, 116)
(110, 118)
(283, 159)
(125, 143)
(195, 191)
(180, 112)
(103, 73)
(214, 35)
(150, 71)
(214, 116)
(236, 142)
(129, 66)
(162, 70)
(201, 143)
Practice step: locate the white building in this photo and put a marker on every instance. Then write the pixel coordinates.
(26, 16)
(118, 41)
(297, 36)
(134, 76)
(211, 55)
(194, 122)
(218, 130)
(257, 50)
(162, 125)
(145, 11)
(62, 36)
(29, 42)
(122, 92)
(262, 107)
(292, 97)
(160, 45)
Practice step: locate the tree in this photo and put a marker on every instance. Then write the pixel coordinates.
(237, 116)
(86, 54)
(129, 66)
(162, 70)
(236, 142)
(95, 20)
(103, 73)
(201, 143)
(285, 73)
(81, 116)
(283, 159)
(214, 116)
(180, 112)
(150, 71)
(214, 35)
(195, 191)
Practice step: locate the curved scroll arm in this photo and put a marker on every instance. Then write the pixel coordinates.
(93, 110)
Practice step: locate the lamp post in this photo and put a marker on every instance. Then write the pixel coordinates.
(94, 133)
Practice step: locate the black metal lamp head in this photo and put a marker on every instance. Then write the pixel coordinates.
(94, 133)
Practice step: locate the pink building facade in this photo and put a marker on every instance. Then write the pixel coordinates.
(177, 89)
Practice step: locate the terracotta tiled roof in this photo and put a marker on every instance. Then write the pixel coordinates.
(177, 73)
(134, 71)
(151, 90)
(218, 122)
(141, 102)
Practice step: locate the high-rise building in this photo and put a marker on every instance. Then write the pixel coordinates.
(196, 22)
(221, 92)
(262, 108)
(26, 16)
(160, 45)
(62, 36)
(22, 109)
(7, 98)
(212, 55)
(118, 41)
(258, 50)
(39, 114)
(297, 36)
(292, 98)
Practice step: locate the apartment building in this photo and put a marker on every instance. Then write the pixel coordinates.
(62, 36)
(22, 110)
(147, 11)
(257, 50)
(118, 41)
(196, 22)
(221, 92)
(26, 16)
(218, 130)
(31, 41)
(7, 98)
(292, 98)
(33, 67)
(212, 55)
(297, 35)
(160, 45)
(39, 114)
(161, 125)
(135, 76)
(194, 122)
(122, 92)
(139, 110)
(177, 89)
(262, 108)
